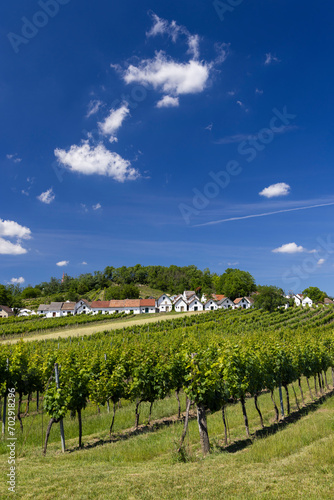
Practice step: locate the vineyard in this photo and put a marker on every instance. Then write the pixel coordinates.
(13, 326)
(215, 359)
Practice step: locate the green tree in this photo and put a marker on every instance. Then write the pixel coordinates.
(235, 283)
(269, 298)
(315, 294)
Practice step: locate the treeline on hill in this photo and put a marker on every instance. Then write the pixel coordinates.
(122, 282)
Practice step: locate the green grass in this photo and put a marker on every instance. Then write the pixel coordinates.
(292, 460)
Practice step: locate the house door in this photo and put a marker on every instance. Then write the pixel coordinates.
(195, 308)
(146, 309)
(182, 308)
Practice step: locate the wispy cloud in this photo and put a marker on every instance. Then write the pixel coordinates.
(93, 107)
(174, 31)
(270, 58)
(236, 138)
(114, 121)
(97, 206)
(15, 158)
(279, 189)
(47, 197)
(265, 214)
(321, 262)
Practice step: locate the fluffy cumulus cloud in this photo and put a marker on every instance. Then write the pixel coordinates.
(9, 248)
(47, 197)
(279, 189)
(114, 121)
(168, 76)
(89, 160)
(63, 263)
(17, 281)
(289, 248)
(321, 262)
(97, 206)
(12, 229)
(168, 102)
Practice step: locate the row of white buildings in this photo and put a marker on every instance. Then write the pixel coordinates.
(188, 301)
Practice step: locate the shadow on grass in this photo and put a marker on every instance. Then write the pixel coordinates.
(277, 426)
(231, 448)
(130, 433)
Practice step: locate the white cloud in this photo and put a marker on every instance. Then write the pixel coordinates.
(193, 42)
(12, 229)
(47, 197)
(168, 102)
(63, 263)
(270, 58)
(169, 76)
(174, 30)
(17, 281)
(209, 127)
(114, 121)
(89, 160)
(84, 263)
(14, 158)
(97, 206)
(321, 262)
(93, 107)
(8, 248)
(279, 189)
(258, 91)
(289, 248)
(160, 26)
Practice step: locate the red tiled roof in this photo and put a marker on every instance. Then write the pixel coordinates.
(218, 297)
(147, 302)
(100, 304)
(239, 299)
(124, 303)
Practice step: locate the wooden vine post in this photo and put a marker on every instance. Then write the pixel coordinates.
(61, 423)
(5, 402)
(281, 399)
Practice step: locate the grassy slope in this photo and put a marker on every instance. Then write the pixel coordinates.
(293, 461)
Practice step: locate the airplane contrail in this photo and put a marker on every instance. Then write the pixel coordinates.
(262, 215)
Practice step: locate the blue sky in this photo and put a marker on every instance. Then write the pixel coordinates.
(152, 132)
